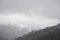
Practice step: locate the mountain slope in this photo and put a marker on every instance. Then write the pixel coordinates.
(51, 33)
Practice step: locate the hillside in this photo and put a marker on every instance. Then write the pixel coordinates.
(49, 33)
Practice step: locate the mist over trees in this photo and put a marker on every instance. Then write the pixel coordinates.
(49, 33)
(9, 32)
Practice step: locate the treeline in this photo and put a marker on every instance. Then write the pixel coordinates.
(49, 33)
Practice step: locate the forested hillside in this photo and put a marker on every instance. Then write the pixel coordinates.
(49, 33)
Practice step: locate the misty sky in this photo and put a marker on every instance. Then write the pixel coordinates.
(28, 13)
(20, 16)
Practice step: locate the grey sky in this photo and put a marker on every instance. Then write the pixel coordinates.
(50, 8)
(33, 8)
(29, 14)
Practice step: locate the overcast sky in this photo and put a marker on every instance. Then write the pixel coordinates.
(29, 12)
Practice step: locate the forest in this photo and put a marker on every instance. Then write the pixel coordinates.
(49, 33)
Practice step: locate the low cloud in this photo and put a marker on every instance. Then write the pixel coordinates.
(27, 20)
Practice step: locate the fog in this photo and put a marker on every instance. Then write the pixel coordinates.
(28, 14)
(25, 20)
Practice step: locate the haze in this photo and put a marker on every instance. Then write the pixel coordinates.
(29, 14)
